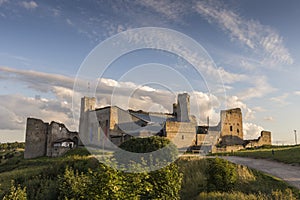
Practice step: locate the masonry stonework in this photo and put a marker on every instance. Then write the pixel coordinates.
(44, 139)
(231, 123)
(110, 126)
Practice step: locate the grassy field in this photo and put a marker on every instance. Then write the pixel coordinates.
(285, 154)
(40, 175)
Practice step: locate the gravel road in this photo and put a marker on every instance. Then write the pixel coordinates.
(286, 172)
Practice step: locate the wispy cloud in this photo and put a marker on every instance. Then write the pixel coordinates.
(3, 2)
(108, 92)
(170, 9)
(69, 22)
(281, 100)
(260, 88)
(30, 5)
(297, 93)
(269, 118)
(252, 131)
(263, 40)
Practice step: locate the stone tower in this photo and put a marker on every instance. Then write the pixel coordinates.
(231, 123)
(87, 104)
(36, 138)
(183, 107)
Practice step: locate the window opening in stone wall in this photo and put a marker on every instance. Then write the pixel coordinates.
(230, 128)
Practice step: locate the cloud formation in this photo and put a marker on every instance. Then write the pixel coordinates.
(263, 40)
(30, 5)
(108, 92)
(251, 131)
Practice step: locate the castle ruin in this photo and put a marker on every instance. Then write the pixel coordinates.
(44, 139)
(109, 126)
(100, 126)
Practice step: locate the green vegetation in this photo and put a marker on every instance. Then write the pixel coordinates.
(16, 193)
(200, 175)
(11, 146)
(77, 175)
(286, 154)
(147, 145)
(107, 183)
(287, 194)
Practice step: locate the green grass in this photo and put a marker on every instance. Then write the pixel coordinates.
(25, 170)
(41, 173)
(250, 182)
(285, 154)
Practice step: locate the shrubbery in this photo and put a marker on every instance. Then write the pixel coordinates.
(108, 183)
(221, 175)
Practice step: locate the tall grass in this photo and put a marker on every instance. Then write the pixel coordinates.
(289, 154)
(251, 184)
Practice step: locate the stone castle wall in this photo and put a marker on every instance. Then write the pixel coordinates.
(40, 137)
(36, 138)
(264, 139)
(58, 131)
(183, 107)
(231, 123)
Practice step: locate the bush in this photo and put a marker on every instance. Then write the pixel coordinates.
(107, 183)
(221, 175)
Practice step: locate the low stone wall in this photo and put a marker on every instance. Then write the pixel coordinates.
(227, 149)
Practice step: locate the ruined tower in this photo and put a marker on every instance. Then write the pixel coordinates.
(183, 107)
(231, 123)
(87, 104)
(36, 138)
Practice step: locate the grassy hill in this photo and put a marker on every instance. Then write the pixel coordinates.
(285, 154)
(40, 177)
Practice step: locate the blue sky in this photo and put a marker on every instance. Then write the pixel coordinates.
(254, 45)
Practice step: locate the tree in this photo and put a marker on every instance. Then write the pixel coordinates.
(146, 145)
(164, 183)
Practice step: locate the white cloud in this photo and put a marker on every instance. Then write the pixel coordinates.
(281, 100)
(269, 118)
(235, 102)
(263, 40)
(258, 109)
(14, 109)
(260, 89)
(297, 93)
(169, 8)
(251, 131)
(69, 22)
(30, 5)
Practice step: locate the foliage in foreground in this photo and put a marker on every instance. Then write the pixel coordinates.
(16, 193)
(287, 194)
(199, 175)
(221, 175)
(78, 176)
(109, 183)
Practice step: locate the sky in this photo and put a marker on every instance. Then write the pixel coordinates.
(249, 58)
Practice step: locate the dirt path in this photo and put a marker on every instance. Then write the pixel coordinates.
(286, 172)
